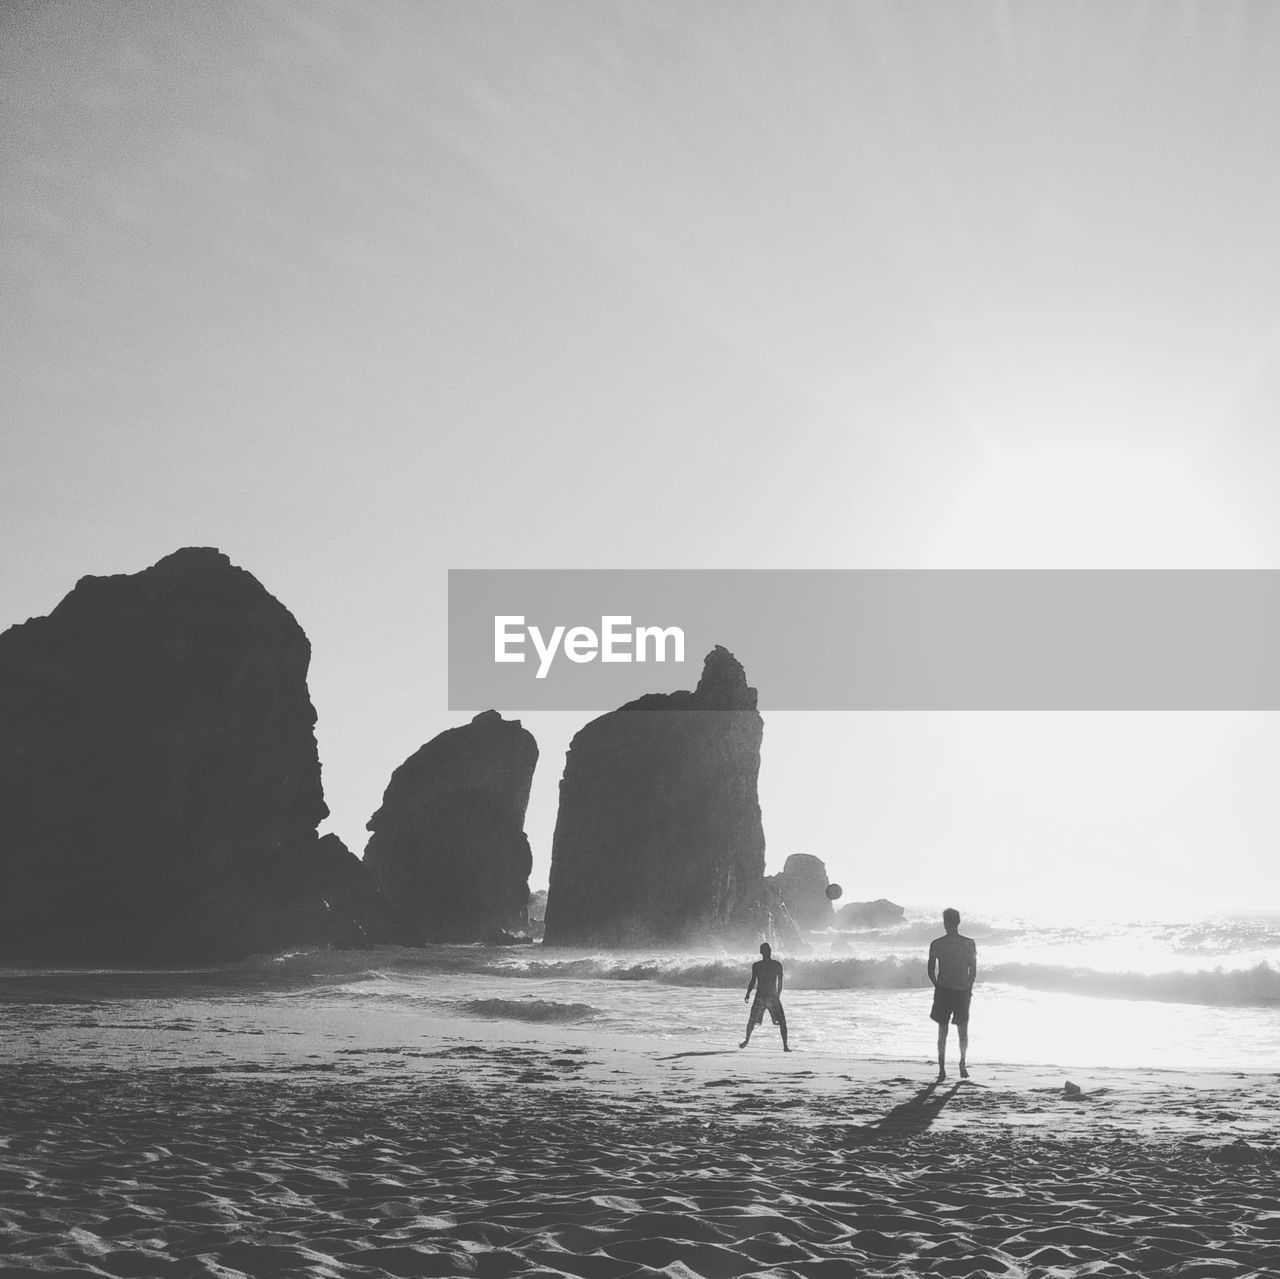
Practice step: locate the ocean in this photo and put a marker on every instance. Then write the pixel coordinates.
(1196, 993)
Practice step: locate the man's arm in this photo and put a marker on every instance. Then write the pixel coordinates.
(973, 964)
(751, 985)
(779, 990)
(933, 963)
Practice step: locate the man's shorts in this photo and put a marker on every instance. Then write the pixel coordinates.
(950, 1005)
(773, 1004)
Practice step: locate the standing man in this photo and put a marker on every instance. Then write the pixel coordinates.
(766, 981)
(953, 966)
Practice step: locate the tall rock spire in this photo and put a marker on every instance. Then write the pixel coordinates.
(659, 839)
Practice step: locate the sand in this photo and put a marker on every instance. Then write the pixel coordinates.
(137, 1139)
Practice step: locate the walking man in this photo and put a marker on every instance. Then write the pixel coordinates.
(953, 966)
(766, 981)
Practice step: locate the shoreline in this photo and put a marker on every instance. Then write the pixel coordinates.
(139, 1140)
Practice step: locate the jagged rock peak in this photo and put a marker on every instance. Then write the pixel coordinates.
(723, 685)
(194, 578)
(658, 837)
(194, 558)
(491, 719)
(186, 563)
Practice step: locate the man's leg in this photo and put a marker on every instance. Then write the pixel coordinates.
(751, 1022)
(942, 1050)
(782, 1026)
(963, 1032)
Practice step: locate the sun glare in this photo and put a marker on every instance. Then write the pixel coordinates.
(1091, 509)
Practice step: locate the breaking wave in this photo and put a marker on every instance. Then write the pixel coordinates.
(1255, 984)
(528, 1009)
(1217, 986)
(1259, 984)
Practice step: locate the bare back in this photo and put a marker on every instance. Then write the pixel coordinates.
(768, 977)
(956, 957)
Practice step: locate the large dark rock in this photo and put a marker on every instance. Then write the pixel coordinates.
(448, 845)
(314, 892)
(881, 913)
(658, 839)
(159, 784)
(802, 885)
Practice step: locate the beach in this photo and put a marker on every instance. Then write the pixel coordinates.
(234, 1138)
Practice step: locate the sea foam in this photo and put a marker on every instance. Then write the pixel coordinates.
(528, 1009)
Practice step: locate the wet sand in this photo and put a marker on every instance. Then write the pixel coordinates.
(140, 1139)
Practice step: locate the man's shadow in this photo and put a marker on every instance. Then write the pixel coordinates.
(911, 1117)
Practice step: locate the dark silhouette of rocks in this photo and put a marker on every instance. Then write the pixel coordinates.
(802, 885)
(159, 782)
(448, 846)
(881, 913)
(658, 838)
(315, 892)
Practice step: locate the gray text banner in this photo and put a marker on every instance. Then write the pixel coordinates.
(847, 640)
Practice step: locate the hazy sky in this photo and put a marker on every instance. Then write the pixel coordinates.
(359, 292)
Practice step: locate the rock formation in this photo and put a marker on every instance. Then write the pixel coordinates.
(658, 838)
(779, 929)
(537, 913)
(448, 846)
(315, 892)
(159, 782)
(802, 885)
(881, 913)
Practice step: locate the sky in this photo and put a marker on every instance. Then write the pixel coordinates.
(359, 292)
